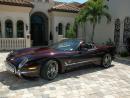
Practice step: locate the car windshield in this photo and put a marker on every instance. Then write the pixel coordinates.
(66, 45)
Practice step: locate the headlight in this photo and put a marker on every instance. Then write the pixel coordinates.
(32, 68)
(10, 54)
(25, 60)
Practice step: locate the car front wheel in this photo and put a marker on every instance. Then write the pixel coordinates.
(49, 70)
(106, 61)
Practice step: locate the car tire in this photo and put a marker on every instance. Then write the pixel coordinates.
(49, 70)
(106, 60)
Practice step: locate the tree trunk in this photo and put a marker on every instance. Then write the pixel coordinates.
(93, 32)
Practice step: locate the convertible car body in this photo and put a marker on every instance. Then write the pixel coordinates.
(47, 62)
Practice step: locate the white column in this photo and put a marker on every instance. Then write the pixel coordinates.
(25, 30)
(3, 28)
(121, 36)
(28, 41)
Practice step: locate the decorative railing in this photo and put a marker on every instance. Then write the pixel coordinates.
(14, 43)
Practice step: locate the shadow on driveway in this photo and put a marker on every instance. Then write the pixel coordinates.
(123, 61)
(16, 83)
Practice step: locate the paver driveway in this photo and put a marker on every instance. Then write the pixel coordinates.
(88, 82)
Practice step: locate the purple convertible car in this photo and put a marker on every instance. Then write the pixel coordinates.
(47, 62)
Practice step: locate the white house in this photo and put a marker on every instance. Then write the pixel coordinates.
(26, 23)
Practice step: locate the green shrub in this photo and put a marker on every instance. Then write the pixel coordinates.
(124, 54)
(70, 33)
(110, 42)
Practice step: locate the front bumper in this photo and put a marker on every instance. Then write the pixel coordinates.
(30, 73)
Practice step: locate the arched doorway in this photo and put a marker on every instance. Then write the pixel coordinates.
(39, 29)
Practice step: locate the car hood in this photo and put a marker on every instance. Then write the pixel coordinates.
(34, 51)
(17, 56)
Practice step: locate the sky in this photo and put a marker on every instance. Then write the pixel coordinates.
(81, 1)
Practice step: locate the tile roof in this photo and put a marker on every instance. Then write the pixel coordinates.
(75, 3)
(57, 2)
(25, 3)
(65, 7)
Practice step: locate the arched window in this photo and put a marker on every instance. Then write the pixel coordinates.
(8, 28)
(126, 34)
(60, 29)
(67, 27)
(20, 29)
(117, 32)
(0, 31)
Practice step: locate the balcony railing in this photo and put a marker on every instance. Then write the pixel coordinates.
(14, 43)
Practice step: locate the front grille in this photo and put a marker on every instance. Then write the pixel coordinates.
(10, 67)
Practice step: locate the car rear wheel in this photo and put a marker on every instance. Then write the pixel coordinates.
(49, 71)
(107, 60)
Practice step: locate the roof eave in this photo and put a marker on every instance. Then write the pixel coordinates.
(16, 4)
(63, 10)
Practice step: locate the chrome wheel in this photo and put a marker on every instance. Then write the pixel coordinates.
(52, 70)
(107, 61)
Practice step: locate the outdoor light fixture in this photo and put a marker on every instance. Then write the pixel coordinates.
(26, 27)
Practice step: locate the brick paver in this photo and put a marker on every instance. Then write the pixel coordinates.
(88, 82)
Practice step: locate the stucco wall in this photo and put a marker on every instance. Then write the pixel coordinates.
(15, 13)
(103, 32)
(43, 7)
(61, 17)
(117, 9)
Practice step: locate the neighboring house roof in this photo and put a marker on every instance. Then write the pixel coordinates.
(65, 7)
(24, 3)
(76, 3)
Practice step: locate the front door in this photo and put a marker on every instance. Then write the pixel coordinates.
(37, 36)
(39, 29)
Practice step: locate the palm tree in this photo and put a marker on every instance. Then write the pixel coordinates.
(93, 11)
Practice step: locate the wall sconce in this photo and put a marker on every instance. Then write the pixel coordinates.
(26, 27)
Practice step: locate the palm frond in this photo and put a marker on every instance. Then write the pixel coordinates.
(107, 15)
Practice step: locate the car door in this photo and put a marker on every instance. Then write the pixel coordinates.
(88, 53)
(72, 58)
